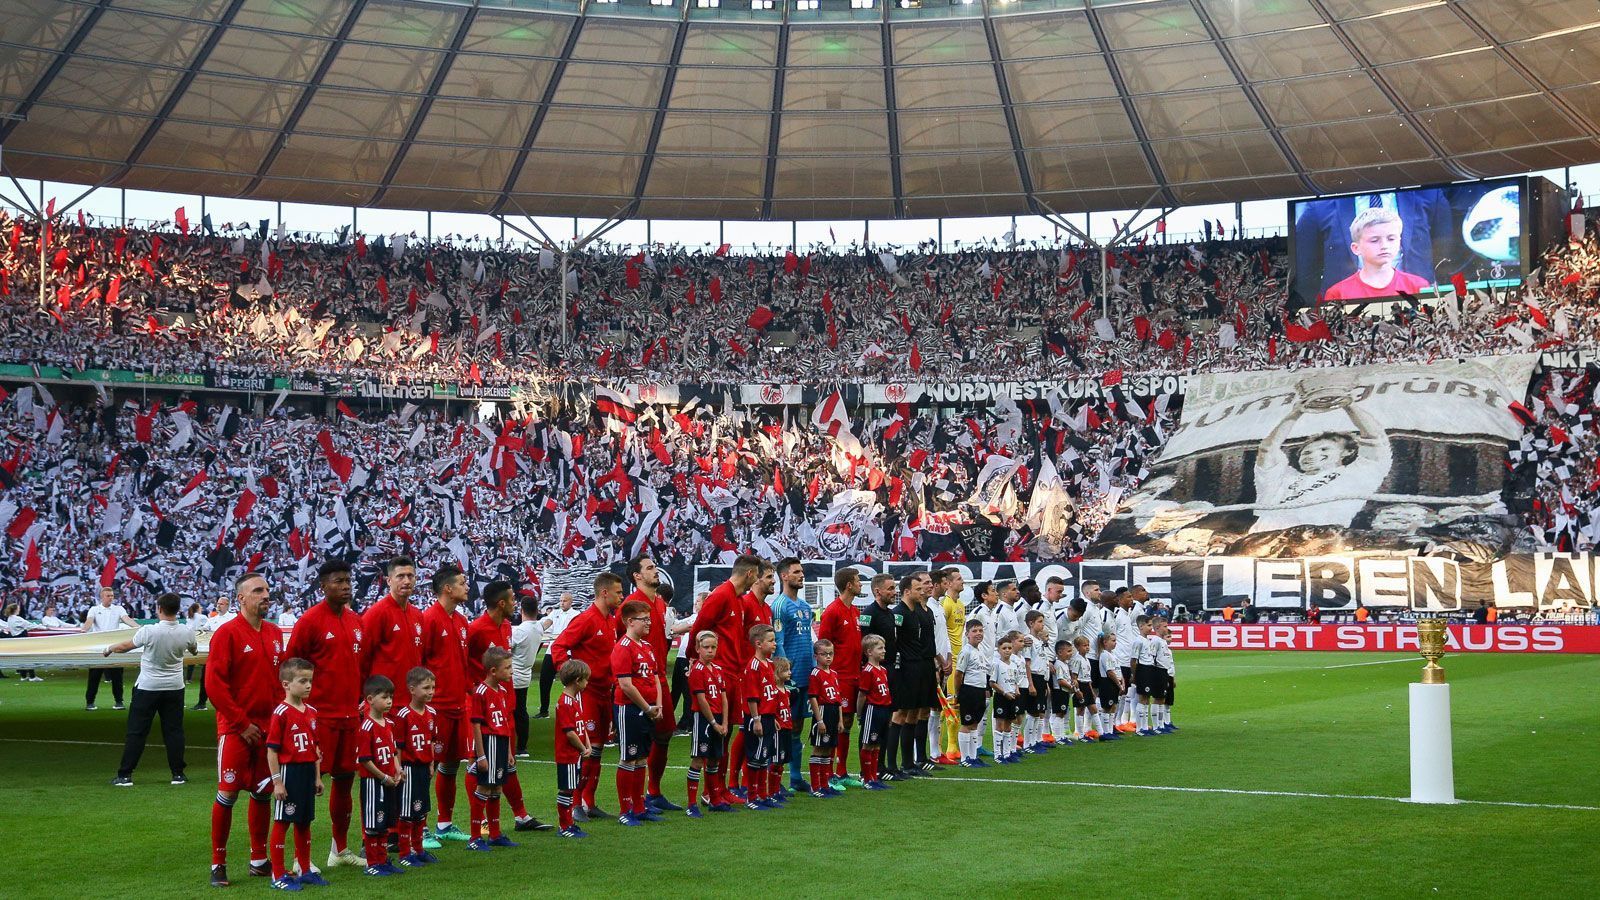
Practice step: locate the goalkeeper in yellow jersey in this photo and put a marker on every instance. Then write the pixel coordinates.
(951, 585)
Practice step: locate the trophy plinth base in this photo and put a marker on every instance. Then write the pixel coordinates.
(1432, 766)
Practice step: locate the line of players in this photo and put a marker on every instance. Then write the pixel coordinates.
(349, 670)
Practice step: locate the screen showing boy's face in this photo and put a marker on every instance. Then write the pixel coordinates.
(1379, 244)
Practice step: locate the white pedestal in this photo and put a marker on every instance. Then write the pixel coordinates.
(1432, 771)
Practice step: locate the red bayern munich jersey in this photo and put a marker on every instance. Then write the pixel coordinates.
(635, 659)
(242, 674)
(875, 682)
(490, 707)
(761, 686)
(418, 735)
(711, 681)
(332, 641)
(376, 743)
(444, 652)
(570, 717)
(293, 733)
(824, 685)
(841, 624)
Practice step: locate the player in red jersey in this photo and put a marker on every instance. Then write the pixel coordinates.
(493, 732)
(589, 637)
(243, 684)
(392, 630)
(722, 613)
(756, 612)
(493, 629)
(381, 776)
(292, 756)
(637, 701)
(444, 653)
(876, 703)
(573, 726)
(329, 635)
(418, 736)
(841, 625)
(826, 699)
(708, 731)
(644, 576)
(762, 699)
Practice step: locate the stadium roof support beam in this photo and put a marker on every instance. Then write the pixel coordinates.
(1251, 95)
(1005, 105)
(1393, 96)
(171, 103)
(434, 86)
(1128, 107)
(893, 114)
(770, 180)
(556, 74)
(660, 119)
(20, 114)
(1062, 222)
(300, 106)
(1572, 114)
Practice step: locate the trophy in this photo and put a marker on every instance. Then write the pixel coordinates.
(1430, 644)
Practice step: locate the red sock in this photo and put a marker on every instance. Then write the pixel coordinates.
(752, 781)
(640, 771)
(694, 786)
(476, 805)
(564, 809)
(512, 791)
(338, 811)
(624, 788)
(819, 776)
(658, 767)
(275, 849)
(260, 821)
(302, 847)
(869, 764)
(444, 789)
(492, 813)
(221, 824)
(377, 846)
(736, 758)
(588, 782)
(841, 756)
(402, 833)
(419, 830)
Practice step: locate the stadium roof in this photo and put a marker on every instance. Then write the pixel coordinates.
(985, 108)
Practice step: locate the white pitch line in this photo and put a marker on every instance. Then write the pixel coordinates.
(1176, 789)
(1379, 662)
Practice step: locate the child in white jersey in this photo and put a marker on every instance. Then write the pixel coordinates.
(973, 668)
(1007, 674)
(1085, 705)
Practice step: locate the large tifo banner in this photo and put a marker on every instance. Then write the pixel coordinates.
(1398, 459)
(1545, 581)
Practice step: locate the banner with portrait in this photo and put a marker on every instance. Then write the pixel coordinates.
(1398, 459)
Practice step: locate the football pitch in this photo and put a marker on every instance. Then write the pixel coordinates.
(1283, 782)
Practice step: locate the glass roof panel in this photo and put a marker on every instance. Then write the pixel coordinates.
(715, 134)
(40, 23)
(1362, 142)
(1024, 37)
(723, 89)
(1151, 24)
(835, 45)
(1196, 112)
(406, 24)
(1068, 124)
(1414, 34)
(939, 42)
(313, 18)
(1290, 54)
(1068, 78)
(716, 44)
(601, 131)
(608, 84)
(833, 89)
(1527, 18)
(618, 40)
(520, 78)
(1324, 98)
(1243, 155)
(1562, 60)
(468, 122)
(517, 34)
(700, 176)
(833, 134)
(942, 86)
(1173, 69)
(1233, 18)
(945, 131)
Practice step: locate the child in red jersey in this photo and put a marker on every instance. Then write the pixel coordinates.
(292, 758)
(573, 727)
(826, 700)
(417, 729)
(636, 708)
(783, 671)
(489, 709)
(762, 700)
(708, 733)
(381, 776)
(877, 706)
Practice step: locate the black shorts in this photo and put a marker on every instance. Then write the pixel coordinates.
(1109, 693)
(635, 732)
(761, 749)
(380, 806)
(830, 718)
(913, 686)
(874, 725)
(1094, 669)
(972, 702)
(1005, 707)
(497, 749)
(1038, 702)
(415, 791)
(1171, 688)
(1060, 701)
(704, 742)
(568, 776)
(1083, 697)
(300, 782)
(1144, 681)
(783, 746)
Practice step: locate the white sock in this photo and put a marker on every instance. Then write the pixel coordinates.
(994, 735)
(1140, 717)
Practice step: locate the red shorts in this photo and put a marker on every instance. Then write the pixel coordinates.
(848, 688)
(597, 703)
(336, 738)
(242, 766)
(455, 737)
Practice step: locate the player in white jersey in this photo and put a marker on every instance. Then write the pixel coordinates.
(1006, 675)
(1144, 674)
(1061, 693)
(988, 612)
(973, 668)
(1084, 708)
(1039, 651)
(1127, 631)
(1168, 672)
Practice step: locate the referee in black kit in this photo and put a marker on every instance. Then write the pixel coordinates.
(914, 681)
(878, 618)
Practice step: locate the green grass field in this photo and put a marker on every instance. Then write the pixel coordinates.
(1281, 783)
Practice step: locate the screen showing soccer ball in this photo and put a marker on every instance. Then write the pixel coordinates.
(1387, 244)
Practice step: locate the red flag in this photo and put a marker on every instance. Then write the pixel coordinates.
(1272, 347)
(1522, 414)
(182, 218)
(716, 292)
(108, 572)
(916, 358)
(1111, 378)
(1082, 308)
(723, 250)
(945, 312)
(1167, 340)
(344, 410)
(833, 334)
(1459, 282)
(195, 482)
(34, 566)
(790, 261)
(269, 487)
(245, 503)
(827, 303)
(341, 465)
(1141, 328)
(113, 292)
(605, 358)
(760, 319)
(736, 347)
(383, 288)
(20, 523)
(999, 285)
(813, 489)
(631, 273)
